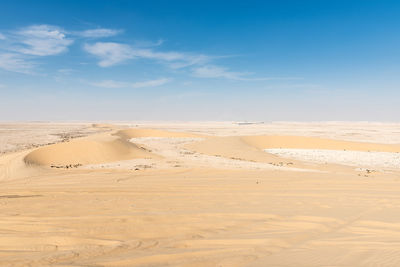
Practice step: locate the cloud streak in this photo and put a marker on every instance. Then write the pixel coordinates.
(216, 72)
(142, 43)
(2, 36)
(151, 83)
(212, 71)
(98, 33)
(15, 63)
(143, 84)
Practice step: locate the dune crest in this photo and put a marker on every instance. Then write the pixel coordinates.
(103, 125)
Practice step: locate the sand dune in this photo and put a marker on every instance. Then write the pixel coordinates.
(87, 151)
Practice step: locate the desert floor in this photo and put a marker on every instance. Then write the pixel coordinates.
(199, 194)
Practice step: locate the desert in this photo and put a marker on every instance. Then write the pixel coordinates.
(199, 194)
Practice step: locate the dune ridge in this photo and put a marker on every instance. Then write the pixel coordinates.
(137, 133)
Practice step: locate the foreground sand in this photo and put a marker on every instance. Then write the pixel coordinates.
(206, 196)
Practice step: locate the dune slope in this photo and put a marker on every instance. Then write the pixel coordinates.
(251, 147)
(303, 142)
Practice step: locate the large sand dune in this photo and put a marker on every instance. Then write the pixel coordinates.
(177, 196)
(81, 152)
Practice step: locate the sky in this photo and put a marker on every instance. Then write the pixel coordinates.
(199, 60)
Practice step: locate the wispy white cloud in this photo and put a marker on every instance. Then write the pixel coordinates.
(98, 33)
(110, 84)
(212, 71)
(118, 84)
(150, 54)
(151, 83)
(142, 43)
(111, 53)
(15, 63)
(174, 59)
(42, 40)
(2, 36)
(66, 71)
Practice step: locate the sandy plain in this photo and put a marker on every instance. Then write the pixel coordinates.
(199, 194)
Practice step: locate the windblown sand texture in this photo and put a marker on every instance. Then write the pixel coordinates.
(199, 194)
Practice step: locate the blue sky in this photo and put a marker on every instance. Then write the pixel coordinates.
(200, 60)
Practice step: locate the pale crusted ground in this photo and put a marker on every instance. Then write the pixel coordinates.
(201, 201)
(371, 160)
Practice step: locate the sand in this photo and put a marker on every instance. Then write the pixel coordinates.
(199, 194)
